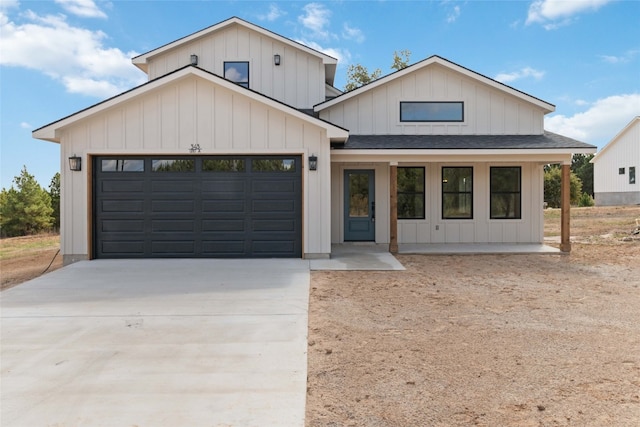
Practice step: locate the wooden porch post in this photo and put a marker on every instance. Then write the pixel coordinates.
(565, 210)
(393, 208)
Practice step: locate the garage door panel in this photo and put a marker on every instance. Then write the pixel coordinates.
(200, 213)
(122, 206)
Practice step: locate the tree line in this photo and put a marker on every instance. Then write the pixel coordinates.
(26, 208)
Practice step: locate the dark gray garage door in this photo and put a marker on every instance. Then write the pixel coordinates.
(197, 207)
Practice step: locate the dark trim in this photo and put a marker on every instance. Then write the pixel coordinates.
(491, 192)
(224, 70)
(442, 192)
(424, 201)
(432, 102)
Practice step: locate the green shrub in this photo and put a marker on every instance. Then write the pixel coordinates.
(585, 200)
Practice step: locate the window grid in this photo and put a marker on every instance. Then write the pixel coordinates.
(457, 192)
(506, 192)
(411, 193)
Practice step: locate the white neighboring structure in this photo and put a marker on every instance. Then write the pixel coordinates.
(616, 168)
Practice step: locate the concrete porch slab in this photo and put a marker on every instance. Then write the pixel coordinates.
(476, 249)
(358, 257)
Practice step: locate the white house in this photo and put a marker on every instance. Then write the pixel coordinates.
(615, 168)
(240, 146)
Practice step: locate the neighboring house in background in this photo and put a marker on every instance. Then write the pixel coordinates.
(240, 146)
(616, 168)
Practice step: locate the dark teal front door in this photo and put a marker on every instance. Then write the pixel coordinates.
(359, 205)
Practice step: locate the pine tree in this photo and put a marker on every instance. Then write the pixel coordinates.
(25, 209)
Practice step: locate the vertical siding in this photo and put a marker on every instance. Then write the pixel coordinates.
(624, 152)
(190, 111)
(487, 110)
(298, 81)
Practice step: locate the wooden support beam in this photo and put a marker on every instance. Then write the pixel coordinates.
(565, 210)
(393, 209)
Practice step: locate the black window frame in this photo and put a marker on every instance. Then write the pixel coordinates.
(443, 193)
(632, 174)
(621, 171)
(411, 193)
(224, 72)
(518, 212)
(403, 120)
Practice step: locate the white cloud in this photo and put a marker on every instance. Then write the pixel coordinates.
(519, 74)
(342, 55)
(25, 125)
(273, 14)
(454, 14)
(556, 13)
(72, 55)
(316, 19)
(601, 122)
(621, 59)
(350, 33)
(8, 4)
(83, 8)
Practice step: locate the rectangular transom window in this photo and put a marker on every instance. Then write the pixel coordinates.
(457, 192)
(506, 193)
(122, 165)
(632, 174)
(410, 193)
(237, 72)
(431, 111)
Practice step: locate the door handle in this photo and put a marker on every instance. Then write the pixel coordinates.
(373, 211)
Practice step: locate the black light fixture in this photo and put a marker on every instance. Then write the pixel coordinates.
(194, 59)
(313, 162)
(276, 59)
(75, 163)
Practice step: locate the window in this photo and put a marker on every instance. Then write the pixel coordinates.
(506, 193)
(457, 193)
(122, 165)
(171, 165)
(431, 111)
(237, 72)
(223, 165)
(620, 171)
(410, 193)
(273, 165)
(632, 175)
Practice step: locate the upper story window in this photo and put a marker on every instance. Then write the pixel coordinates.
(237, 72)
(431, 111)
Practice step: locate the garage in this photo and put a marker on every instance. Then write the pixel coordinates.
(197, 207)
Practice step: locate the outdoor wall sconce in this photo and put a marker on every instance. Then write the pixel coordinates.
(276, 59)
(313, 162)
(75, 163)
(194, 59)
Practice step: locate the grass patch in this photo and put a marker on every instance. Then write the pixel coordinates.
(17, 246)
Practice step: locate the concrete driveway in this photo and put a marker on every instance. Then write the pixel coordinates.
(157, 343)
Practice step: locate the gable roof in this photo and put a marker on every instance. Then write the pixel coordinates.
(435, 59)
(330, 63)
(50, 132)
(635, 121)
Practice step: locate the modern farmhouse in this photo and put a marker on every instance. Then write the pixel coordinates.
(239, 145)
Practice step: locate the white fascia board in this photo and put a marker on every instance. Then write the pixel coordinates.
(633, 122)
(51, 132)
(548, 108)
(520, 155)
(141, 61)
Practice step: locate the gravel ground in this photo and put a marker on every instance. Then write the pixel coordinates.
(515, 340)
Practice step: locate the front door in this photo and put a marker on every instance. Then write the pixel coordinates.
(359, 205)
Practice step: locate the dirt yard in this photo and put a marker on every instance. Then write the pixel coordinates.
(516, 340)
(25, 258)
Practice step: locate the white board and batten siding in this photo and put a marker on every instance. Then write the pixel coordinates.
(299, 81)
(487, 111)
(434, 229)
(612, 185)
(192, 110)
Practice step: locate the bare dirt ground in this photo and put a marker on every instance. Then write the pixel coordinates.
(25, 258)
(515, 340)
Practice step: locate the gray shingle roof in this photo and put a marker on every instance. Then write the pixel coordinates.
(548, 140)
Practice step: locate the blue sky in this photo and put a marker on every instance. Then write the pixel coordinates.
(60, 56)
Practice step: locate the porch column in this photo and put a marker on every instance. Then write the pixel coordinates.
(393, 208)
(565, 209)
